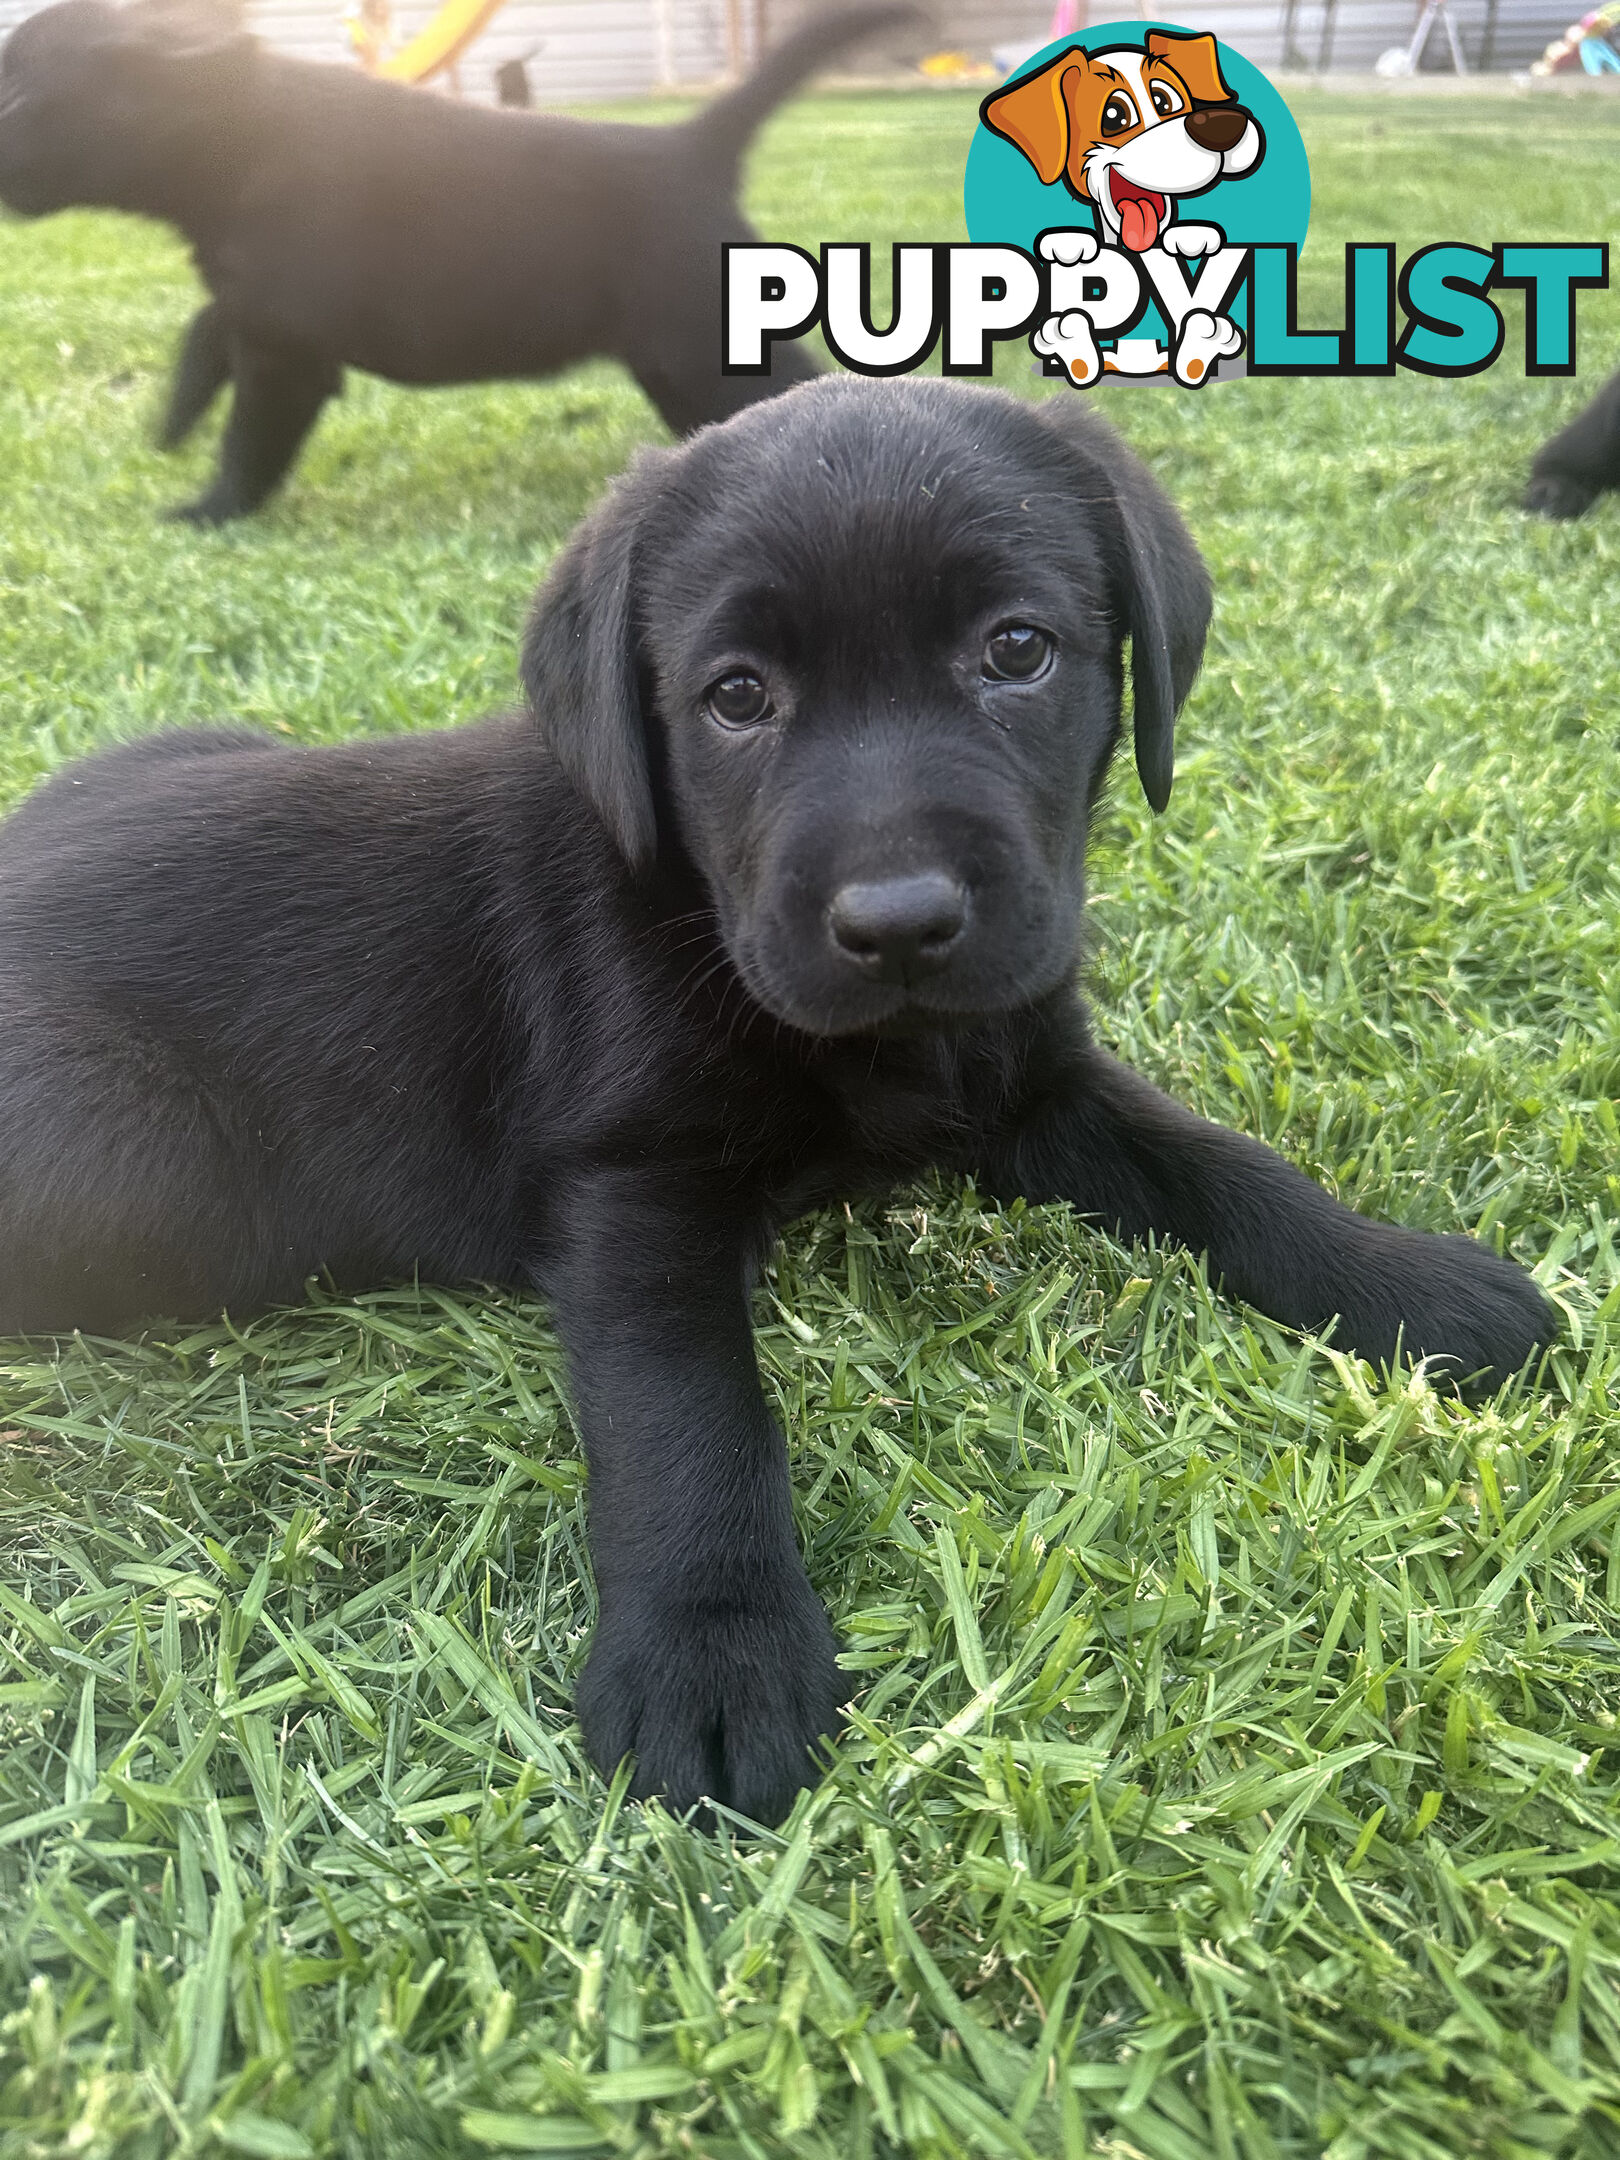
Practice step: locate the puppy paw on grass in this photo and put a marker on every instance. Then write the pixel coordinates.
(725, 1694)
(1559, 495)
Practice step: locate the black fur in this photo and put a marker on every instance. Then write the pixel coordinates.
(1581, 461)
(595, 998)
(343, 221)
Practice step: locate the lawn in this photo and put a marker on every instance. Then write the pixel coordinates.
(1233, 1773)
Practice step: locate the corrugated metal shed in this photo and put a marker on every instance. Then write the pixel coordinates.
(586, 49)
(1340, 36)
(1349, 36)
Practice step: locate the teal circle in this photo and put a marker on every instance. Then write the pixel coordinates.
(1004, 199)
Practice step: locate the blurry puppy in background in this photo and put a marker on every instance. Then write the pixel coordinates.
(343, 221)
(1582, 460)
(772, 897)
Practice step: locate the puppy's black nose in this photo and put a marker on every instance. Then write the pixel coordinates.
(1217, 127)
(901, 927)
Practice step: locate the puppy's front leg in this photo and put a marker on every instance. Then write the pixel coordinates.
(713, 1661)
(1107, 1141)
(201, 373)
(278, 395)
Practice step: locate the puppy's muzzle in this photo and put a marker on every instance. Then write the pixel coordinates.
(1217, 127)
(899, 929)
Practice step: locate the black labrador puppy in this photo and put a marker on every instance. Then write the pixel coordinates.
(773, 896)
(342, 221)
(1571, 471)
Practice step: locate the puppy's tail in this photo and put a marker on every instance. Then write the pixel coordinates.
(723, 130)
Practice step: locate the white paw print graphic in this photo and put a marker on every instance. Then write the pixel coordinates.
(1205, 339)
(1071, 339)
(1189, 240)
(1075, 246)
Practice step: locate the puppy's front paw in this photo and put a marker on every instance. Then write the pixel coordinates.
(1454, 1301)
(205, 513)
(718, 1698)
(1069, 338)
(1205, 340)
(1070, 246)
(1558, 495)
(1192, 240)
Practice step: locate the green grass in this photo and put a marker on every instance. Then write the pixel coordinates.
(1233, 1773)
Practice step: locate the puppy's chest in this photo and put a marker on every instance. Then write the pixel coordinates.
(874, 1116)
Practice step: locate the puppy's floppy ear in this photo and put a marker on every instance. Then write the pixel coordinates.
(1033, 115)
(581, 668)
(1196, 61)
(1161, 580)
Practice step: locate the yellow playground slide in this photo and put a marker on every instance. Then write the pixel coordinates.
(437, 47)
(443, 42)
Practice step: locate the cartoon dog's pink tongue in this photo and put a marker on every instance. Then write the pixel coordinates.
(1141, 212)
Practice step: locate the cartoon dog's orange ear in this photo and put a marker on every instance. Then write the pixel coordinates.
(1196, 61)
(1033, 115)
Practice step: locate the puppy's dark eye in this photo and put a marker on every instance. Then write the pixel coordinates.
(1164, 99)
(1118, 114)
(738, 700)
(1017, 654)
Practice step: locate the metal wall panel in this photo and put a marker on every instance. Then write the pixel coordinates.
(588, 49)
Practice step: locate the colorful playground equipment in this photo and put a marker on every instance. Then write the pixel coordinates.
(1591, 45)
(435, 50)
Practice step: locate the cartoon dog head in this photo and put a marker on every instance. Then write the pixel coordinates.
(1127, 129)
